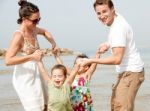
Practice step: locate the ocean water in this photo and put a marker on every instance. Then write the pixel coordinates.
(101, 83)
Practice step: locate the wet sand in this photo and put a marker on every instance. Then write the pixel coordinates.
(101, 84)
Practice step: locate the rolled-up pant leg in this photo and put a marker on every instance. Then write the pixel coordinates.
(124, 92)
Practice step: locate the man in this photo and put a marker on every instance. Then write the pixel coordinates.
(124, 55)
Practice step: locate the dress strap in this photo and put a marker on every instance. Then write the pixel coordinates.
(20, 32)
(25, 41)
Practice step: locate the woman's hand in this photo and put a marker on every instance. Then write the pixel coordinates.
(55, 49)
(37, 55)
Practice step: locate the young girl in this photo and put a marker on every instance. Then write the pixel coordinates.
(80, 93)
(59, 86)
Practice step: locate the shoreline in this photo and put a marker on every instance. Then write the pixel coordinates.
(5, 72)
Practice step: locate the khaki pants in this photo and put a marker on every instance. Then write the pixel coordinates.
(125, 90)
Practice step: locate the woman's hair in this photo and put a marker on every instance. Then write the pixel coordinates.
(61, 67)
(102, 2)
(81, 56)
(26, 10)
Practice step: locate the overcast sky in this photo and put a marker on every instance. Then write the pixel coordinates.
(73, 23)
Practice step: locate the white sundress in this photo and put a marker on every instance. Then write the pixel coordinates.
(28, 84)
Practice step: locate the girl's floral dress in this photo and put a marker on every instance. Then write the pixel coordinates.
(80, 95)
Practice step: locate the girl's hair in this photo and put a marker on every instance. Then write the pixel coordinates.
(61, 67)
(81, 56)
(102, 2)
(26, 10)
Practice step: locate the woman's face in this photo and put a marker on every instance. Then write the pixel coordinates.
(105, 14)
(33, 20)
(58, 77)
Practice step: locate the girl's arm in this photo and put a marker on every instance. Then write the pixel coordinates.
(73, 73)
(59, 61)
(57, 58)
(93, 66)
(43, 72)
(15, 47)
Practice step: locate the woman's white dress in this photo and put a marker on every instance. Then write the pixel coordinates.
(27, 82)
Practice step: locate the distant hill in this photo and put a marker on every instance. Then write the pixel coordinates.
(48, 52)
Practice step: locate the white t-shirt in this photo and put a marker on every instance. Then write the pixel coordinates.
(121, 35)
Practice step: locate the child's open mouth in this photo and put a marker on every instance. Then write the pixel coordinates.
(57, 82)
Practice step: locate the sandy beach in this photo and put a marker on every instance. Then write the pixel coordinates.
(101, 84)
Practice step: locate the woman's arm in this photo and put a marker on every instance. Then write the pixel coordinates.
(14, 48)
(49, 37)
(43, 72)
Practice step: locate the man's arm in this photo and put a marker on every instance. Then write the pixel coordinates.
(93, 65)
(114, 59)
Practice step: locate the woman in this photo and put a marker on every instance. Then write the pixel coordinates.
(26, 78)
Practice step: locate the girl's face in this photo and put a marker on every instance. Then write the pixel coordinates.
(82, 69)
(105, 14)
(58, 77)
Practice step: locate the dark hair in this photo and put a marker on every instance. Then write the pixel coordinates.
(102, 2)
(82, 56)
(61, 67)
(26, 10)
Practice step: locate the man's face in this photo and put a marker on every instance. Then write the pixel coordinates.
(105, 14)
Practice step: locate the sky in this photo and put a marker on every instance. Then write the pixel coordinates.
(74, 24)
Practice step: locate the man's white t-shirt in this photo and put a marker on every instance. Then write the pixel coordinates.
(121, 35)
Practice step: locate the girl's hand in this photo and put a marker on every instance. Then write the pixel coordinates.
(98, 54)
(57, 57)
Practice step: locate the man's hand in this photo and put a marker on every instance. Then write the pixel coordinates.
(85, 62)
(103, 47)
